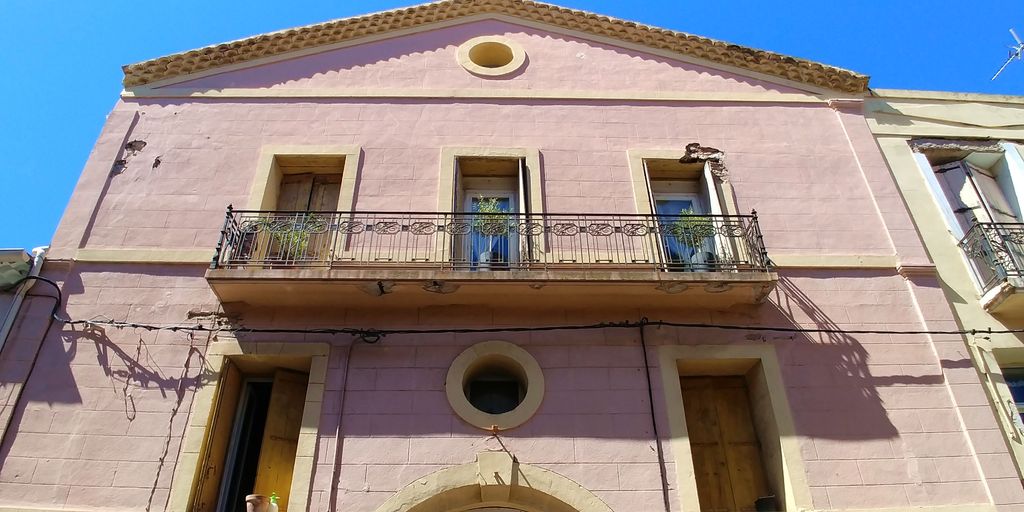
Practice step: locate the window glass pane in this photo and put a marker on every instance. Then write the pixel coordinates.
(1015, 380)
(678, 245)
(494, 396)
(489, 245)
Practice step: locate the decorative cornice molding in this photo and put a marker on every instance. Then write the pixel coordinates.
(926, 145)
(846, 103)
(337, 31)
(909, 271)
(713, 157)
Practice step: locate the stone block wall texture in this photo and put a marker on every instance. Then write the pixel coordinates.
(882, 420)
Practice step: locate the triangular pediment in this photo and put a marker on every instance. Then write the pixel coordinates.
(300, 42)
(428, 61)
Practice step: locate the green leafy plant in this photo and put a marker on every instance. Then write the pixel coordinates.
(293, 241)
(492, 225)
(692, 227)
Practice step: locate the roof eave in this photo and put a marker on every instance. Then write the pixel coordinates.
(330, 32)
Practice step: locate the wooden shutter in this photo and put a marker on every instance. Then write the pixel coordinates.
(524, 187)
(294, 193)
(717, 244)
(326, 189)
(650, 190)
(281, 436)
(323, 198)
(996, 205)
(726, 453)
(309, 192)
(222, 421)
(707, 183)
(519, 242)
(961, 193)
(458, 190)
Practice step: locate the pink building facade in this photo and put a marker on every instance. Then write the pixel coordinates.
(458, 235)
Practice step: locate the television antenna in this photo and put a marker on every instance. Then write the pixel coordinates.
(1015, 53)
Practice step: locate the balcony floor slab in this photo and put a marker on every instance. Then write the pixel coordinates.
(324, 287)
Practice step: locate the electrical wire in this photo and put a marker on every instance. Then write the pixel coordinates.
(654, 419)
(373, 335)
(339, 440)
(54, 313)
(369, 335)
(39, 349)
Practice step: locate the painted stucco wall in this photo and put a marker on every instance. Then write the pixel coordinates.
(875, 414)
(882, 421)
(897, 117)
(805, 179)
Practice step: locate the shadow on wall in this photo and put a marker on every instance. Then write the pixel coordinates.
(128, 371)
(839, 386)
(128, 367)
(828, 377)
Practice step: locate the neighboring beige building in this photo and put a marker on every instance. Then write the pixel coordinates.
(15, 264)
(957, 159)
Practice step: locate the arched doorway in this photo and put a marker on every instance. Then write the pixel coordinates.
(494, 483)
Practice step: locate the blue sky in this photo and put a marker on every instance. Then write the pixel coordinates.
(62, 62)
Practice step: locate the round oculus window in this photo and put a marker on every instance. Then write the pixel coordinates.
(495, 384)
(491, 56)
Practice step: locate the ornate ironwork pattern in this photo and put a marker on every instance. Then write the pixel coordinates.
(635, 229)
(459, 228)
(351, 227)
(565, 229)
(388, 227)
(493, 228)
(600, 229)
(466, 241)
(531, 228)
(996, 251)
(423, 228)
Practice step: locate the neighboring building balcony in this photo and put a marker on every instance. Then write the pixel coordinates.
(643, 258)
(996, 252)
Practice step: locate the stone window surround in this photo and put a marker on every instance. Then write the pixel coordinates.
(470, 358)
(1010, 152)
(464, 56)
(186, 472)
(447, 174)
(733, 360)
(263, 193)
(720, 173)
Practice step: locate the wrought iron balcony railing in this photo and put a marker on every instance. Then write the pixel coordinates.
(491, 241)
(996, 250)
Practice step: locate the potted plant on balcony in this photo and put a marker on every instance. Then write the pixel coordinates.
(490, 225)
(290, 235)
(695, 230)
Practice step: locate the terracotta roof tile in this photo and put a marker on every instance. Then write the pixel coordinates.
(320, 34)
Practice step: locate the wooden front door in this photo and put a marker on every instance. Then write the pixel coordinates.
(726, 453)
(221, 424)
(281, 436)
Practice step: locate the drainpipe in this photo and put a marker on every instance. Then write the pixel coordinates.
(38, 255)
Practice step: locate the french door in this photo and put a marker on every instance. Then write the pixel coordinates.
(492, 243)
(685, 244)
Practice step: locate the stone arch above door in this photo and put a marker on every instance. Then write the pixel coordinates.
(494, 480)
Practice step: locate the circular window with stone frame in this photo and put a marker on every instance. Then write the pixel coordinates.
(495, 385)
(491, 56)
